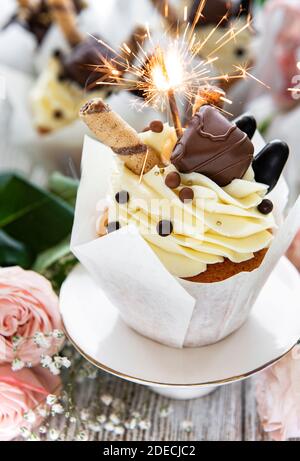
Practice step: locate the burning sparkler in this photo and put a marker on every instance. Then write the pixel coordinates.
(172, 68)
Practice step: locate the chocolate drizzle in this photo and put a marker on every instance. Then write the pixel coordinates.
(213, 146)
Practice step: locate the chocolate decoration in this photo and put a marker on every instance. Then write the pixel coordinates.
(173, 180)
(113, 226)
(83, 64)
(214, 11)
(58, 114)
(214, 147)
(247, 124)
(270, 162)
(122, 197)
(156, 126)
(164, 228)
(265, 207)
(186, 194)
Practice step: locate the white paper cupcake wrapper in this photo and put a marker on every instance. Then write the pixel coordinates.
(150, 300)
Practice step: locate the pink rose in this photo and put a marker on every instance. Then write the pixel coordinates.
(28, 305)
(21, 392)
(294, 251)
(278, 397)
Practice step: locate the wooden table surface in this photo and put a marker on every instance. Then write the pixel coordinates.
(228, 414)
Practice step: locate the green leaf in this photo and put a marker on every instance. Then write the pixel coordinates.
(32, 216)
(13, 253)
(64, 187)
(52, 255)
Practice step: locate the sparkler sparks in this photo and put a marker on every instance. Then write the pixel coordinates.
(172, 69)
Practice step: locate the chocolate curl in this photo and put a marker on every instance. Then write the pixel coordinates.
(209, 94)
(65, 16)
(115, 133)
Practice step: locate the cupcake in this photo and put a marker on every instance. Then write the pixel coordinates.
(201, 205)
(35, 16)
(72, 77)
(236, 51)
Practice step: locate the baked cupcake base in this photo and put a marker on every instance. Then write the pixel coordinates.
(222, 271)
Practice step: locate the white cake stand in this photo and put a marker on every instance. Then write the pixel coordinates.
(94, 327)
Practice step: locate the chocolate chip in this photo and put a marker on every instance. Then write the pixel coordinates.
(122, 197)
(156, 126)
(265, 207)
(239, 52)
(186, 194)
(58, 114)
(57, 53)
(173, 180)
(113, 226)
(61, 78)
(164, 228)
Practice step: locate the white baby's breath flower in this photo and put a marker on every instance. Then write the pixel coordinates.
(30, 416)
(106, 399)
(84, 414)
(119, 430)
(43, 430)
(58, 334)
(82, 436)
(114, 419)
(165, 411)
(101, 419)
(109, 427)
(66, 363)
(51, 399)
(25, 432)
(42, 411)
(54, 369)
(17, 364)
(53, 434)
(46, 361)
(144, 425)
(94, 426)
(131, 424)
(58, 409)
(187, 426)
(41, 340)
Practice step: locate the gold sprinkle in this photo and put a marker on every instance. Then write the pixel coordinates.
(219, 223)
(189, 183)
(162, 171)
(157, 173)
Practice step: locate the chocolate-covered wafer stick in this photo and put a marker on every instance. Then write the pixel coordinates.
(65, 15)
(114, 132)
